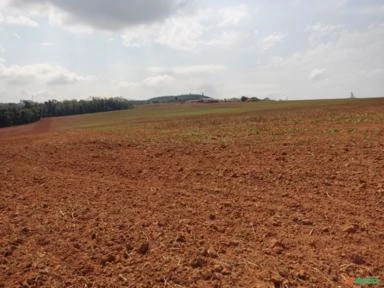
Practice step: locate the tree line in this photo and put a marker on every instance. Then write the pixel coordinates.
(29, 111)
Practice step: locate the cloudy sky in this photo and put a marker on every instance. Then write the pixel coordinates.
(295, 49)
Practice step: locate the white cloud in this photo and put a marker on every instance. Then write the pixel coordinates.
(272, 40)
(230, 16)
(320, 33)
(206, 28)
(188, 70)
(374, 26)
(352, 60)
(126, 84)
(172, 80)
(45, 73)
(182, 33)
(139, 36)
(2, 50)
(322, 28)
(152, 81)
(226, 38)
(373, 73)
(158, 80)
(57, 17)
(372, 9)
(317, 74)
(47, 44)
(179, 32)
(18, 20)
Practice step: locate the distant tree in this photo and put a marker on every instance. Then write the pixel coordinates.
(29, 111)
(244, 99)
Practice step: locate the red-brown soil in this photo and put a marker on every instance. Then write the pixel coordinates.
(300, 205)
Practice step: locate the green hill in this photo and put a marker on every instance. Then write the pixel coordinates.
(179, 98)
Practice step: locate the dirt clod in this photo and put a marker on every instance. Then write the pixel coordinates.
(357, 259)
(107, 259)
(353, 228)
(144, 248)
(302, 275)
(181, 239)
(306, 222)
(197, 263)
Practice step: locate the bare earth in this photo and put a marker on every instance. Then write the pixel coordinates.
(279, 198)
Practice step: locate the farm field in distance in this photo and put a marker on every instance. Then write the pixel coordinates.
(264, 194)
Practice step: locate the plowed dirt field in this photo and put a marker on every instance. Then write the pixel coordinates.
(286, 195)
